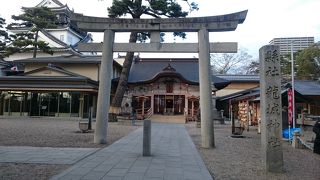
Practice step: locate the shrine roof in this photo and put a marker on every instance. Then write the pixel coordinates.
(239, 77)
(307, 87)
(186, 69)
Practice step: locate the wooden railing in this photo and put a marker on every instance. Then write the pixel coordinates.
(147, 113)
(191, 117)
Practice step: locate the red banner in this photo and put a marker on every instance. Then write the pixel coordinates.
(290, 101)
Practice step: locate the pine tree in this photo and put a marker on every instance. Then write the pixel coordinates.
(4, 38)
(137, 8)
(32, 21)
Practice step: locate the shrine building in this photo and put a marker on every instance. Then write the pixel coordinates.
(166, 87)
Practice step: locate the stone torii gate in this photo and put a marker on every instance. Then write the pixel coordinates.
(202, 25)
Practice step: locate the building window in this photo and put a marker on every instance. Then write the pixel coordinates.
(61, 37)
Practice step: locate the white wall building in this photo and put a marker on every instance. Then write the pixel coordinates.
(298, 43)
(63, 39)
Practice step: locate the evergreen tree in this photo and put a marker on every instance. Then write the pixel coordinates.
(4, 38)
(137, 8)
(308, 62)
(32, 21)
(285, 62)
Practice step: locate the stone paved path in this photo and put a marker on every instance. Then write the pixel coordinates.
(43, 155)
(174, 157)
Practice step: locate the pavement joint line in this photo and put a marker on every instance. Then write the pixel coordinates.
(125, 157)
(44, 155)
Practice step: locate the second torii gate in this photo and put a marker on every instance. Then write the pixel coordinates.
(202, 25)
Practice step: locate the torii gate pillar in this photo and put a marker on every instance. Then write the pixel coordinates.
(207, 137)
(100, 133)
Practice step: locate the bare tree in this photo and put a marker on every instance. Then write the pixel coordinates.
(230, 63)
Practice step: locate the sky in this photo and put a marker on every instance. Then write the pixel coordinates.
(266, 19)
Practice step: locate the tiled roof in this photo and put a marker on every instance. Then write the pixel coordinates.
(70, 59)
(4, 63)
(302, 87)
(54, 68)
(62, 59)
(307, 88)
(56, 40)
(47, 83)
(240, 78)
(58, 2)
(145, 70)
(246, 92)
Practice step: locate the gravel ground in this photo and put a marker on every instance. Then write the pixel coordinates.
(13, 171)
(240, 158)
(47, 132)
(232, 158)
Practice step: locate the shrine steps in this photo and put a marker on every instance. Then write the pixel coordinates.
(175, 119)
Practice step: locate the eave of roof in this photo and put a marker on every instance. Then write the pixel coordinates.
(240, 93)
(47, 83)
(54, 68)
(55, 1)
(307, 87)
(239, 78)
(56, 40)
(165, 74)
(303, 88)
(4, 63)
(219, 83)
(71, 59)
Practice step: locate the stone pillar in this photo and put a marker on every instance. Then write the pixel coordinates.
(259, 125)
(192, 108)
(94, 105)
(271, 113)
(152, 103)
(207, 137)
(216, 115)
(81, 104)
(146, 143)
(100, 133)
(142, 111)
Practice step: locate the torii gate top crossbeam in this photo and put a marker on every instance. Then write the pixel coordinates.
(228, 22)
